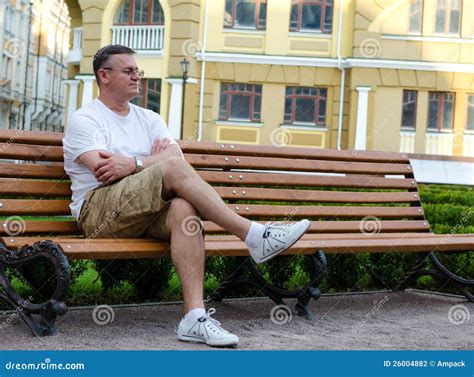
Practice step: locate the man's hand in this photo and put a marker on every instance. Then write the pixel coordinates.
(113, 166)
(160, 145)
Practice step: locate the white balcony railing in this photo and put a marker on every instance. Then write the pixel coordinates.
(140, 38)
(407, 141)
(75, 53)
(439, 143)
(468, 145)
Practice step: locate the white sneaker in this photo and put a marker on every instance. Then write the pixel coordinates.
(277, 238)
(206, 330)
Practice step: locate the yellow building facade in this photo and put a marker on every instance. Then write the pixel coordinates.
(394, 75)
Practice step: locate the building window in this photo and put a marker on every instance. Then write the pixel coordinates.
(305, 106)
(448, 16)
(416, 14)
(240, 102)
(440, 114)
(140, 12)
(409, 109)
(246, 14)
(313, 15)
(470, 113)
(150, 95)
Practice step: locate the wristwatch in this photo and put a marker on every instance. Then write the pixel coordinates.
(138, 164)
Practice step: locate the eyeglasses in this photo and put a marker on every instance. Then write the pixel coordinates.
(130, 72)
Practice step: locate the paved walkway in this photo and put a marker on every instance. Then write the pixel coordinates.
(391, 321)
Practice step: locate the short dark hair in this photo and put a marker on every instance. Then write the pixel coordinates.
(103, 55)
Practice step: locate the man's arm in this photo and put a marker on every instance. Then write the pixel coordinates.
(109, 167)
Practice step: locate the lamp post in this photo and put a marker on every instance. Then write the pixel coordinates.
(184, 69)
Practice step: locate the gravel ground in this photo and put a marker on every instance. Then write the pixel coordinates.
(390, 321)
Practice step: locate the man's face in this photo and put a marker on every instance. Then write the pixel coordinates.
(120, 76)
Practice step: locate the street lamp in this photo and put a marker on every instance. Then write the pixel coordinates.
(184, 68)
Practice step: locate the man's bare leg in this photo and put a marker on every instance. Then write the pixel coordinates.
(180, 179)
(187, 254)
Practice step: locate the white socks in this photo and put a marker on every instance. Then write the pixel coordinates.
(255, 234)
(195, 314)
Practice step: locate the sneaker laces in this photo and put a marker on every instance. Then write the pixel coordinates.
(214, 321)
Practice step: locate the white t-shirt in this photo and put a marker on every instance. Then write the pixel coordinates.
(96, 127)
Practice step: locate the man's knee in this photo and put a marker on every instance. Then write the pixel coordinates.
(174, 167)
(180, 209)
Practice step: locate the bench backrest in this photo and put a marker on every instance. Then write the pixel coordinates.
(344, 191)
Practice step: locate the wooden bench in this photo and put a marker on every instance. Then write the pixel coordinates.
(384, 214)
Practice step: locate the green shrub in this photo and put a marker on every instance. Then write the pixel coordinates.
(149, 277)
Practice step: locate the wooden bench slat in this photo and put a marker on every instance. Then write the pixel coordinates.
(44, 227)
(204, 147)
(14, 186)
(317, 227)
(127, 248)
(34, 207)
(61, 207)
(31, 152)
(295, 212)
(304, 180)
(32, 137)
(342, 226)
(23, 187)
(11, 170)
(269, 163)
(275, 194)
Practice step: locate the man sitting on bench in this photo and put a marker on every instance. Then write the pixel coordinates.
(129, 179)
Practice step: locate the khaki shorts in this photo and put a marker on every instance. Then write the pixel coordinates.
(130, 208)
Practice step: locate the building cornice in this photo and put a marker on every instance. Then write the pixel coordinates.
(225, 57)
(410, 64)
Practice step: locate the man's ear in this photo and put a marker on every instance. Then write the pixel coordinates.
(103, 76)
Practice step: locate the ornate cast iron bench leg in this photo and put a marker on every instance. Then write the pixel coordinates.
(438, 271)
(48, 310)
(277, 294)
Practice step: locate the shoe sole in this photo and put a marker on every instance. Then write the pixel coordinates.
(185, 338)
(276, 253)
